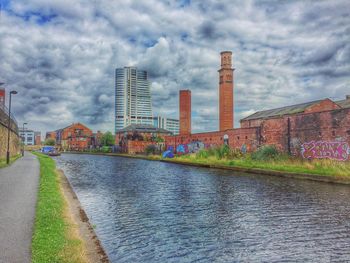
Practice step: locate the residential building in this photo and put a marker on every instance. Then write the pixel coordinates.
(133, 104)
(169, 124)
(75, 137)
(27, 136)
(37, 138)
(50, 135)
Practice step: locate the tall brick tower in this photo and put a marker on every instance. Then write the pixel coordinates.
(2, 97)
(185, 112)
(226, 91)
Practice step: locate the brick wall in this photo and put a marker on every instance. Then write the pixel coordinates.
(237, 138)
(138, 146)
(327, 126)
(14, 142)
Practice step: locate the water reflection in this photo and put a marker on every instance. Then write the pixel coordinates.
(159, 212)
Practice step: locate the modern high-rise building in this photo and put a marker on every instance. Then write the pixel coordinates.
(168, 124)
(226, 92)
(133, 103)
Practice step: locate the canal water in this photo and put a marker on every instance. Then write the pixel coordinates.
(148, 211)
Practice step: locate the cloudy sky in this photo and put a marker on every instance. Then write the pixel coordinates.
(60, 55)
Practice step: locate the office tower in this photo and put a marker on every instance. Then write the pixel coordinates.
(133, 102)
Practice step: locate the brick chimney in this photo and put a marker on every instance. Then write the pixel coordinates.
(185, 112)
(2, 97)
(226, 92)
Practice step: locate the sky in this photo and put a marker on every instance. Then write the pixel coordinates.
(61, 55)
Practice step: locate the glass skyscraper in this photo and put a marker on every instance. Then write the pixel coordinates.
(133, 103)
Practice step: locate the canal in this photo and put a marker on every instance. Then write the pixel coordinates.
(148, 211)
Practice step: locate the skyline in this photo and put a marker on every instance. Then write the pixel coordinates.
(61, 56)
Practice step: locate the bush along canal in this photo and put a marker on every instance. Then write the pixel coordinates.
(164, 212)
(59, 224)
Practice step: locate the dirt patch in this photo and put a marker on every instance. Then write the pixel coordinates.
(94, 250)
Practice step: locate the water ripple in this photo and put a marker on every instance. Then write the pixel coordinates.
(159, 212)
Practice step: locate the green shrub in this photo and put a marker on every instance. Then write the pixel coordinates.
(202, 154)
(265, 153)
(150, 149)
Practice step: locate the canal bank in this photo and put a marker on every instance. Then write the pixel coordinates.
(62, 231)
(327, 178)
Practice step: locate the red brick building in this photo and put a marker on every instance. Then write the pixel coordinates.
(316, 129)
(226, 92)
(136, 137)
(185, 112)
(75, 137)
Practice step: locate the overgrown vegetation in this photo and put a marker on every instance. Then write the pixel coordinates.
(151, 149)
(12, 160)
(50, 142)
(267, 158)
(53, 238)
(266, 153)
(107, 139)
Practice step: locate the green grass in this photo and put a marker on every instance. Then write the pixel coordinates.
(12, 160)
(51, 240)
(275, 162)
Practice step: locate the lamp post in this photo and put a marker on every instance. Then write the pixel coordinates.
(8, 129)
(24, 123)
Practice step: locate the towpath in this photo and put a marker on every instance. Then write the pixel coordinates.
(18, 195)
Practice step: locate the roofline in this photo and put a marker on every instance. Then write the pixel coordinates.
(286, 107)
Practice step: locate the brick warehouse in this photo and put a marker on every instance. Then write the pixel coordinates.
(319, 127)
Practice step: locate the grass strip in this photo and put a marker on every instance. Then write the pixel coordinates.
(329, 168)
(53, 239)
(12, 160)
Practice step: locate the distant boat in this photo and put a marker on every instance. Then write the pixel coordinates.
(54, 153)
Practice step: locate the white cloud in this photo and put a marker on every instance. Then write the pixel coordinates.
(61, 55)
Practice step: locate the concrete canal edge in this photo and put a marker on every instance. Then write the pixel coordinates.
(303, 176)
(94, 250)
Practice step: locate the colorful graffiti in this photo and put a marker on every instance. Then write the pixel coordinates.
(192, 147)
(326, 150)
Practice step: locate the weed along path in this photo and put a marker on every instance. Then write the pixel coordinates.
(18, 196)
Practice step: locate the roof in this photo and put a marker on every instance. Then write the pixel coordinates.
(293, 109)
(75, 123)
(145, 128)
(344, 103)
(298, 108)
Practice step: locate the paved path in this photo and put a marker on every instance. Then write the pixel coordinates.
(18, 195)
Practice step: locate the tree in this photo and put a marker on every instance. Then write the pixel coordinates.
(50, 142)
(107, 139)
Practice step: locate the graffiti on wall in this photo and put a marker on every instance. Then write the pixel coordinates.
(325, 150)
(192, 147)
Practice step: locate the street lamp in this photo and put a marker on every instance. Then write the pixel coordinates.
(8, 129)
(24, 123)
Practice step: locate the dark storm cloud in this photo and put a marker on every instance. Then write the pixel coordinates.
(61, 55)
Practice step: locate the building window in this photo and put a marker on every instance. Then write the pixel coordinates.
(333, 133)
(237, 137)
